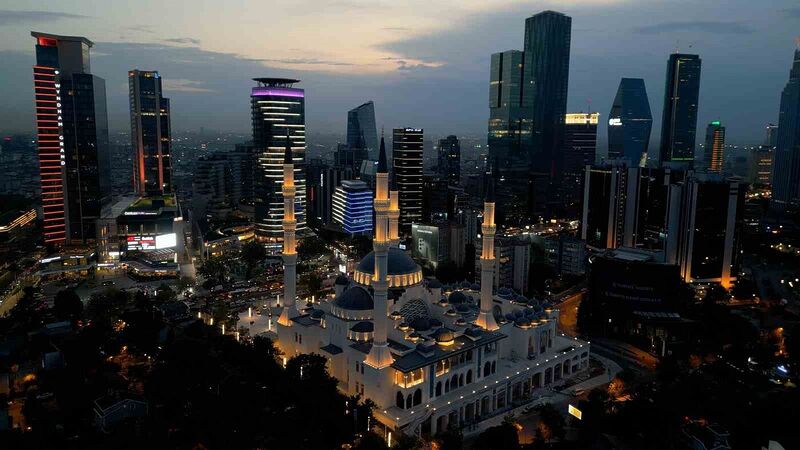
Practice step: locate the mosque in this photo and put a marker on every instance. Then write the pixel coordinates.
(431, 356)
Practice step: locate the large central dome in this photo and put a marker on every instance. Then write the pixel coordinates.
(401, 269)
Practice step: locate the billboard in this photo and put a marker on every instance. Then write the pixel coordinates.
(425, 242)
(137, 242)
(166, 241)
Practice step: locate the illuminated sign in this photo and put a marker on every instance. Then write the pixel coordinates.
(166, 241)
(615, 121)
(575, 412)
(141, 242)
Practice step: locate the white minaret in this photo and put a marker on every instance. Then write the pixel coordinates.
(379, 356)
(486, 317)
(289, 310)
(394, 214)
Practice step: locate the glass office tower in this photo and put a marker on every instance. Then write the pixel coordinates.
(448, 162)
(150, 134)
(407, 173)
(361, 131)
(679, 120)
(527, 106)
(72, 128)
(630, 122)
(786, 172)
(278, 113)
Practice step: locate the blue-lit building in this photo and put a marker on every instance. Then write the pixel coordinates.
(630, 122)
(352, 207)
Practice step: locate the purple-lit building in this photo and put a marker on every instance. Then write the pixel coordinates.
(278, 113)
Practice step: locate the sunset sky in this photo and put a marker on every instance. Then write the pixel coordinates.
(424, 63)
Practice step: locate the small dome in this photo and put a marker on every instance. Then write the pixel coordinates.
(421, 324)
(443, 336)
(363, 327)
(355, 299)
(461, 322)
(475, 287)
(403, 326)
(433, 283)
(317, 314)
(462, 308)
(395, 315)
(505, 292)
(435, 323)
(522, 322)
(450, 312)
(529, 312)
(457, 297)
(414, 336)
(465, 284)
(510, 317)
(443, 302)
(342, 280)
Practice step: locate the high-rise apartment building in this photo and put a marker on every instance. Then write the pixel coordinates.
(771, 135)
(527, 106)
(763, 159)
(407, 173)
(714, 148)
(580, 146)
(361, 130)
(679, 120)
(72, 129)
(150, 134)
(448, 162)
(630, 122)
(786, 174)
(278, 114)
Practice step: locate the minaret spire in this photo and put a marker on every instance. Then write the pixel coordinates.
(379, 355)
(289, 251)
(486, 316)
(394, 212)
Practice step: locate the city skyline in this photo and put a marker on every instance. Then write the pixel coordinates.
(400, 79)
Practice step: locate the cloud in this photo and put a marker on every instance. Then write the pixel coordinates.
(183, 85)
(305, 61)
(791, 12)
(183, 40)
(404, 65)
(396, 28)
(17, 17)
(698, 25)
(140, 28)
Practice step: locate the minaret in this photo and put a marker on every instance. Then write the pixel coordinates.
(289, 252)
(379, 356)
(394, 214)
(486, 317)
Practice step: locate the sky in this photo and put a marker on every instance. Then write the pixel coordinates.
(425, 63)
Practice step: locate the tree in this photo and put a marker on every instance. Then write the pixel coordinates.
(551, 423)
(450, 439)
(313, 283)
(165, 294)
(184, 283)
(503, 436)
(67, 305)
(215, 270)
(312, 247)
(370, 441)
(252, 253)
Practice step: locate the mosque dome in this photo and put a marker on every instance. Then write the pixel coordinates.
(401, 270)
(355, 299)
(342, 280)
(363, 327)
(444, 336)
(457, 297)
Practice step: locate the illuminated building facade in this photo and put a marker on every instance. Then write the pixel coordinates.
(278, 114)
(150, 134)
(714, 149)
(630, 122)
(679, 121)
(72, 128)
(352, 207)
(407, 162)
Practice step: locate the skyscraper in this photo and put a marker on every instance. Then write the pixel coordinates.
(630, 122)
(527, 104)
(352, 207)
(786, 173)
(150, 134)
(449, 160)
(278, 114)
(361, 131)
(714, 148)
(771, 138)
(407, 172)
(679, 121)
(580, 145)
(72, 128)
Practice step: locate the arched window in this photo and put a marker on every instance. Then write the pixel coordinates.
(454, 382)
(494, 366)
(408, 401)
(447, 386)
(461, 380)
(417, 397)
(400, 402)
(486, 369)
(438, 388)
(469, 376)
